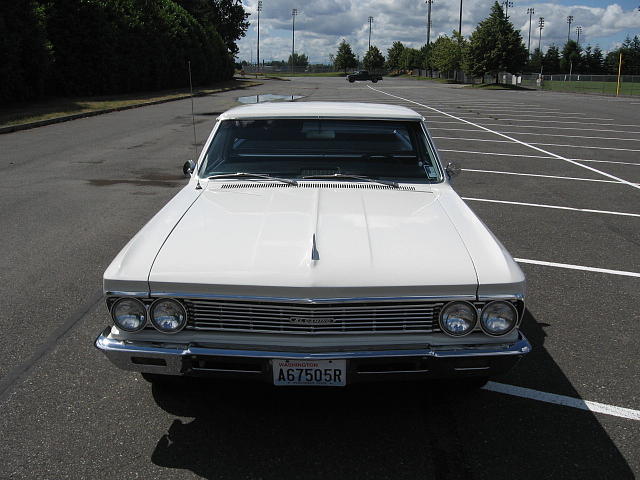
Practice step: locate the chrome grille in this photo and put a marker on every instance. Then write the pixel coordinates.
(323, 318)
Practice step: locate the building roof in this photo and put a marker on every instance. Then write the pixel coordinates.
(321, 110)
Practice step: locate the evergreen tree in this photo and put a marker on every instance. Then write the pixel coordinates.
(373, 59)
(535, 62)
(597, 61)
(571, 60)
(299, 60)
(551, 63)
(495, 46)
(345, 59)
(394, 56)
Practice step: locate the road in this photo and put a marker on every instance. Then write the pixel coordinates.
(553, 175)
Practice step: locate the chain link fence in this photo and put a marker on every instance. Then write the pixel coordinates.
(595, 84)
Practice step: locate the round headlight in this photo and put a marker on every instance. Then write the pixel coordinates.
(129, 314)
(458, 318)
(168, 316)
(498, 318)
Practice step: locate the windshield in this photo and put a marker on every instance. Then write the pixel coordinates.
(297, 148)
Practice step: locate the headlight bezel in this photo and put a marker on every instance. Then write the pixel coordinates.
(135, 300)
(514, 324)
(151, 307)
(473, 309)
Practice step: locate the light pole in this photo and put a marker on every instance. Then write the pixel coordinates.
(540, 26)
(294, 12)
(507, 4)
(579, 31)
(569, 21)
(370, 22)
(530, 12)
(428, 2)
(460, 22)
(258, 48)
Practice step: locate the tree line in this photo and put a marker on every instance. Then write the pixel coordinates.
(494, 46)
(96, 47)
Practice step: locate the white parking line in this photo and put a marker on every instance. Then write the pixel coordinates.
(582, 129)
(557, 207)
(578, 267)
(500, 172)
(532, 126)
(563, 400)
(534, 156)
(560, 157)
(544, 134)
(531, 144)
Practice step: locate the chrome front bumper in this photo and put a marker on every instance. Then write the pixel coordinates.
(194, 360)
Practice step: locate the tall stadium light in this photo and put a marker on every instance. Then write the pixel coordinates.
(507, 4)
(530, 12)
(428, 2)
(460, 22)
(579, 31)
(540, 26)
(370, 22)
(294, 12)
(258, 48)
(569, 21)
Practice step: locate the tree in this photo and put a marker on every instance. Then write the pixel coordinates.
(298, 60)
(447, 53)
(495, 46)
(552, 60)
(411, 58)
(394, 56)
(596, 65)
(535, 62)
(571, 59)
(345, 59)
(373, 59)
(425, 55)
(227, 17)
(24, 52)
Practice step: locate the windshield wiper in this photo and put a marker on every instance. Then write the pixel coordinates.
(253, 175)
(355, 177)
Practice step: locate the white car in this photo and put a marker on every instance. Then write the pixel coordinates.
(316, 244)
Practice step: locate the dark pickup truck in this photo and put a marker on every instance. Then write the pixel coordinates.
(363, 75)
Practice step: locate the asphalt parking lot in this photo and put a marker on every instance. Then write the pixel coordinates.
(556, 178)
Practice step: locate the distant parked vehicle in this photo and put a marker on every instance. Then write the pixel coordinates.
(363, 75)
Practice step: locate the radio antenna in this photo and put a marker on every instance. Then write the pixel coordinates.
(193, 117)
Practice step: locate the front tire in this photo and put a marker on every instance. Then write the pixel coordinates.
(374, 80)
(351, 80)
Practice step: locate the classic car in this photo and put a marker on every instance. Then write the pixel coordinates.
(316, 243)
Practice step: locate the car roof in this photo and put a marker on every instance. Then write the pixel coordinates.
(376, 111)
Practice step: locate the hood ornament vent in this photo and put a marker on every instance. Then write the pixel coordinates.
(367, 186)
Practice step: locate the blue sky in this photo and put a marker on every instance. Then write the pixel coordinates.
(322, 24)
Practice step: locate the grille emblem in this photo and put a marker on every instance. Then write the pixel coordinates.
(311, 321)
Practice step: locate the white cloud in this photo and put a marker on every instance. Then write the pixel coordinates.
(321, 24)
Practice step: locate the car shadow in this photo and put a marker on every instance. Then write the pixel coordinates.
(390, 430)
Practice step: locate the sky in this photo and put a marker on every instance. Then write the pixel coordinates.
(322, 24)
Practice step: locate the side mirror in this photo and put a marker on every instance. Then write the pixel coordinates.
(188, 168)
(452, 170)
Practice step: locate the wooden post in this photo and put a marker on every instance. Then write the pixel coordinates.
(619, 71)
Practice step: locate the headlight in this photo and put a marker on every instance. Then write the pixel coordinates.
(168, 316)
(498, 318)
(458, 318)
(129, 314)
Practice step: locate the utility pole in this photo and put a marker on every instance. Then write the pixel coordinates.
(294, 12)
(428, 2)
(258, 48)
(530, 12)
(370, 21)
(507, 4)
(569, 21)
(579, 31)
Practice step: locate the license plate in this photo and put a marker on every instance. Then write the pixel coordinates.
(309, 372)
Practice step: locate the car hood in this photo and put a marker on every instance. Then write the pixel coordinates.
(244, 238)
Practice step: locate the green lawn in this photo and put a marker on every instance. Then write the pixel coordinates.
(608, 88)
